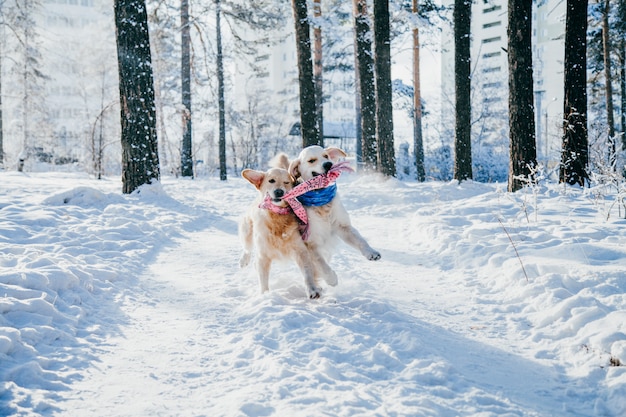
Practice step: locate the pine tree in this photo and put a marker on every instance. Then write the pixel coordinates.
(523, 150)
(308, 118)
(462, 82)
(575, 153)
(220, 91)
(417, 104)
(365, 84)
(384, 105)
(186, 162)
(140, 158)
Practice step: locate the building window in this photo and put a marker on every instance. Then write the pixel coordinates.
(492, 24)
(492, 69)
(492, 9)
(492, 54)
(494, 39)
(497, 84)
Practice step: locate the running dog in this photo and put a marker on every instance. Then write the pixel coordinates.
(271, 228)
(328, 218)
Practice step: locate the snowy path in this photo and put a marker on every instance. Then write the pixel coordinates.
(200, 340)
(151, 315)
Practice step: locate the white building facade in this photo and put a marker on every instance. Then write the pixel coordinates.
(490, 76)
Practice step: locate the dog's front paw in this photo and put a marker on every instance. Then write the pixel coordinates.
(373, 255)
(315, 293)
(245, 259)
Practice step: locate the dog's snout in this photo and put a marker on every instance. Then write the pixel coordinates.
(279, 193)
(327, 166)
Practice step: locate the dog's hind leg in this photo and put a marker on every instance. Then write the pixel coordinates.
(322, 266)
(245, 233)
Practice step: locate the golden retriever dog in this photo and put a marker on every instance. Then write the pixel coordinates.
(272, 230)
(331, 220)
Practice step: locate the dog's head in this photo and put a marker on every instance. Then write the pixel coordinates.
(313, 161)
(275, 183)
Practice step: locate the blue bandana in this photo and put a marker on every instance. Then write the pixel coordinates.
(318, 197)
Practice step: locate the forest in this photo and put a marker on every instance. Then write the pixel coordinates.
(173, 105)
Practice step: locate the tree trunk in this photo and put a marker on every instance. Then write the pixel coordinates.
(1, 116)
(608, 86)
(366, 85)
(462, 83)
(186, 157)
(318, 68)
(220, 91)
(417, 104)
(308, 117)
(140, 158)
(575, 153)
(384, 104)
(523, 149)
(622, 82)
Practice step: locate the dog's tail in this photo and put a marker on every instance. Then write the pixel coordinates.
(280, 161)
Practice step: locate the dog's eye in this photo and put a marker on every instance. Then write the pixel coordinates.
(312, 160)
(272, 181)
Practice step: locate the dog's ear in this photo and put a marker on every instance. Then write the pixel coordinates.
(335, 153)
(294, 168)
(254, 177)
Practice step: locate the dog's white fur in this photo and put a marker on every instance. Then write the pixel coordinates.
(276, 236)
(329, 221)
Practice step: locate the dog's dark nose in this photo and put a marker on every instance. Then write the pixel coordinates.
(279, 193)
(327, 166)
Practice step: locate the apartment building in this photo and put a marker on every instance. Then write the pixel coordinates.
(74, 42)
(490, 75)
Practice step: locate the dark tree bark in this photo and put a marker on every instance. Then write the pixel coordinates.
(418, 144)
(1, 117)
(220, 91)
(318, 68)
(384, 105)
(186, 157)
(610, 120)
(140, 158)
(575, 152)
(462, 88)
(366, 85)
(622, 83)
(308, 117)
(523, 148)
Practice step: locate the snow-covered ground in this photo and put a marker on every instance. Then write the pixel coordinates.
(484, 304)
